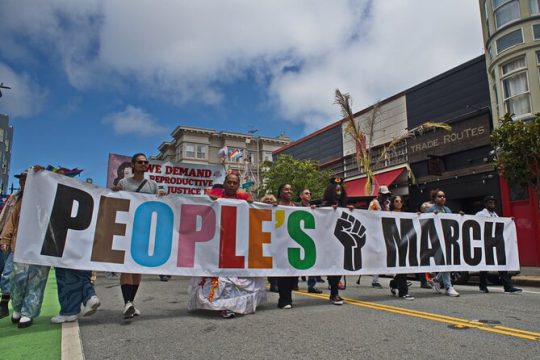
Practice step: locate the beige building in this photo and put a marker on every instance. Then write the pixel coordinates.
(511, 30)
(201, 146)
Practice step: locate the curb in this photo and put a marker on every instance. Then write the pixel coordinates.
(71, 348)
(526, 281)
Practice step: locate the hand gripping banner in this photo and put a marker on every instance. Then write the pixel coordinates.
(67, 223)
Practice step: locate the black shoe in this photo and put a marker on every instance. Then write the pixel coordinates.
(4, 311)
(22, 325)
(320, 279)
(425, 286)
(314, 290)
(513, 290)
(376, 285)
(163, 278)
(484, 289)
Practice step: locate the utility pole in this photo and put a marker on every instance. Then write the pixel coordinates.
(257, 157)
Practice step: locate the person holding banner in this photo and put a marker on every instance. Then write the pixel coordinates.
(129, 283)
(285, 283)
(438, 197)
(27, 281)
(490, 205)
(230, 295)
(6, 253)
(335, 196)
(398, 285)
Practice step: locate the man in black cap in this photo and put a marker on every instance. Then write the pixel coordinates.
(490, 204)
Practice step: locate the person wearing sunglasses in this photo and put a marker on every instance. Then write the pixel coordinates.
(305, 201)
(438, 197)
(398, 285)
(129, 283)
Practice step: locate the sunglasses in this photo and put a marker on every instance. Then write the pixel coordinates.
(145, 162)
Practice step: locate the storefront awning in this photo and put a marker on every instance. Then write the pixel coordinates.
(357, 187)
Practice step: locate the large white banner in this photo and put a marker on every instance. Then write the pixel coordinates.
(71, 224)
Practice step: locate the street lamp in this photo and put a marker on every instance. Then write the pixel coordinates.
(2, 86)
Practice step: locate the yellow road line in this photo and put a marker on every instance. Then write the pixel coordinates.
(502, 330)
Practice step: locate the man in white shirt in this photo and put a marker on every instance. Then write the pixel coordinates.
(490, 204)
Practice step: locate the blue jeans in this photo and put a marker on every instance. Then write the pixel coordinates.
(446, 280)
(311, 281)
(74, 288)
(8, 268)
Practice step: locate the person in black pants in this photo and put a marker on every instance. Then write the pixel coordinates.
(490, 205)
(399, 282)
(335, 196)
(286, 283)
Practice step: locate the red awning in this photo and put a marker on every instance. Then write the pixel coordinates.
(356, 187)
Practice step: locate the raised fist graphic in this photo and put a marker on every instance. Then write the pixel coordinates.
(352, 235)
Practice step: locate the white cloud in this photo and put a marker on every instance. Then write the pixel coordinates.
(186, 51)
(133, 121)
(25, 98)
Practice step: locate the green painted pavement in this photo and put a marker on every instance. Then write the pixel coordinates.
(42, 340)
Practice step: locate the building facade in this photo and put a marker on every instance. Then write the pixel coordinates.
(511, 30)
(245, 153)
(6, 138)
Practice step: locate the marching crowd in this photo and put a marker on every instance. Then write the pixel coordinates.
(24, 284)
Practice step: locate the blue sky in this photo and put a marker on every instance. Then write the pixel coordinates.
(93, 77)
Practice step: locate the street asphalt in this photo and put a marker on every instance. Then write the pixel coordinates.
(371, 325)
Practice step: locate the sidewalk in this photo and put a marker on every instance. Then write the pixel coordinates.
(39, 341)
(529, 276)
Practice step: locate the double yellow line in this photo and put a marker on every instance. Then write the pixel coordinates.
(457, 322)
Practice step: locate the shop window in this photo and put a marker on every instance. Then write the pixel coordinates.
(516, 87)
(505, 11)
(534, 5)
(509, 40)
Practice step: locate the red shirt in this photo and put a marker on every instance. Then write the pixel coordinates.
(220, 193)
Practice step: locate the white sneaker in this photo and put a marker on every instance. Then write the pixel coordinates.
(58, 319)
(137, 312)
(129, 310)
(452, 292)
(436, 287)
(407, 297)
(91, 306)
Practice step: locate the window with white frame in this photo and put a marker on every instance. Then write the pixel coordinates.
(201, 151)
(505, 11)
(536, 31)
(189, 151)
(534, 6)
(516, 87)
(509, 40)
(538, 61)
